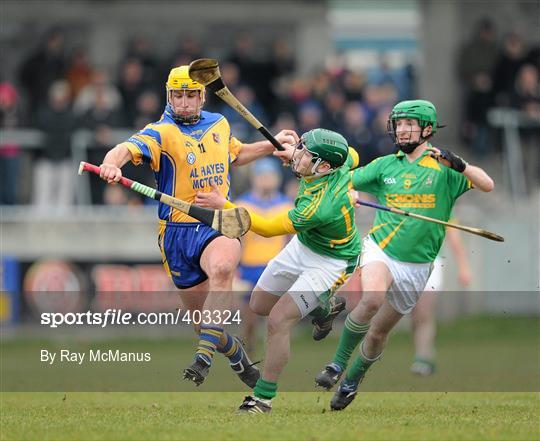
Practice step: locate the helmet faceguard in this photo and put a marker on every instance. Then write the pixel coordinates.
(324, 146)
(179, 80)
(299, 152)
(420, 110)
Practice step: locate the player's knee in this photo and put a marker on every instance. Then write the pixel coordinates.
(258, 308)
(222, 270)
(369, 305)
(275, 323)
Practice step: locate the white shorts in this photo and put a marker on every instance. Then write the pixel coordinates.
(435, 281)
(308, 277)
(409, 279)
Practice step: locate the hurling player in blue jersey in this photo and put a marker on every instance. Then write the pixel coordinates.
(191, 151)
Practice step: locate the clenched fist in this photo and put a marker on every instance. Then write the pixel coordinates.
(289, 137)
(110, 173)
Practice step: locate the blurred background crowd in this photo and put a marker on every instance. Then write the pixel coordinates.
(58, 89)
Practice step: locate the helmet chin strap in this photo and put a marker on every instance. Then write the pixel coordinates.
(409, 147)
(315, 173)
(316, 164)
(186, 120)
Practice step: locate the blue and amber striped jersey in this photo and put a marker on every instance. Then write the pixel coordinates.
(258, 250)
(186, 158)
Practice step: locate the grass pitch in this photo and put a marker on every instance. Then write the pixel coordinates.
(486, 354)
(296, 416)
(487, 387)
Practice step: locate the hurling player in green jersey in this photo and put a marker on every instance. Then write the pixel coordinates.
(304, 276)
(398, 253)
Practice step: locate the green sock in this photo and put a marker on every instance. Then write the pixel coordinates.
(352, 334)
(360, 366)
(265, 389)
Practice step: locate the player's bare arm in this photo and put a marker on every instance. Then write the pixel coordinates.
(114, 160)
(256, 150)
(478, 177)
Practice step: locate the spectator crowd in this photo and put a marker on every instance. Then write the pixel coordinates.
(58, 93)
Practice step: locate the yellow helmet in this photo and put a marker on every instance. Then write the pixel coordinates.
(179, 80)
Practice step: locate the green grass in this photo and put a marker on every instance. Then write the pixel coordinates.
(487, 387)
(296, 416)
(473, 355)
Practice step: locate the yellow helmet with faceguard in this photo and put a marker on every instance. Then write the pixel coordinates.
(179, 79)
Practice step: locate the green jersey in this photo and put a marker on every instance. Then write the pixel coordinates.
(424, 187)
(323, 215)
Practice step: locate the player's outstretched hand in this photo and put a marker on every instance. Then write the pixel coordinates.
(288, 139)
(448, 159)
(212, 199)
(110, 173)
(287, 136)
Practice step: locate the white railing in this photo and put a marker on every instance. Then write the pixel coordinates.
(510, 121)
(80, 142)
